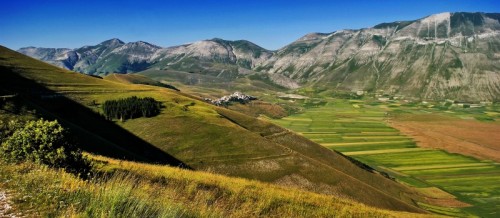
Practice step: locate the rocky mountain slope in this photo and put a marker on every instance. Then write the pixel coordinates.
(215, 56)
(446, 55)
(109, 56)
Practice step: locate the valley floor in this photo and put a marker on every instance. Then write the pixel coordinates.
(452, 184)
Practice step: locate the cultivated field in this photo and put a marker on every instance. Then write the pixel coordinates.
(454, 184)
(468, 137)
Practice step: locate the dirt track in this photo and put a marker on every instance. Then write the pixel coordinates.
(6, 209)
(468, 137)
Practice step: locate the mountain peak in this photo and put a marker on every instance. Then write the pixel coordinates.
(313, 36)
(143, 43)
(437, 18)
(28, 47)
(113, 41)
(397, 24)
(219, 40)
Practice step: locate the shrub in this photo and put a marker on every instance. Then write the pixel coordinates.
(132, 107)
(47, 143)
(8, 127)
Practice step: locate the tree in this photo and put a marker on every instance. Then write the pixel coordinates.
(47, 143)
(132, 107)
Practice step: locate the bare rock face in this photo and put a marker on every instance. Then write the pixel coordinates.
(446, 55)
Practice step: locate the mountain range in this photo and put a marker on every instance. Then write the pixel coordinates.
(446, 55)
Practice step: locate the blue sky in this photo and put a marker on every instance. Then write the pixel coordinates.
(269, 23)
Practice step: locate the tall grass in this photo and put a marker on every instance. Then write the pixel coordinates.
(129, 189)
(53, 193)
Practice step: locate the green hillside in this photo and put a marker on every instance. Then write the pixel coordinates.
(194, 134)
(136, 79)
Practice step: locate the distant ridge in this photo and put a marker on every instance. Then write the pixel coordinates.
(445, 55)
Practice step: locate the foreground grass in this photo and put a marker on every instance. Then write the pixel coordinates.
(129, 189)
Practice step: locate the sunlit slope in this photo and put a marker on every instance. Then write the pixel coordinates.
(241, 197)
(131, 79)
(131, 189)
(198, 134)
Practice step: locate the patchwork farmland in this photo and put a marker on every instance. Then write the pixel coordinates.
(455, 184)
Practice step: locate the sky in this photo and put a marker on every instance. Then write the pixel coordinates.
(271, 24)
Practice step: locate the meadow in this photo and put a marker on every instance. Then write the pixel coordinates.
(360, 131)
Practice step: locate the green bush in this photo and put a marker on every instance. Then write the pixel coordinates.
(8, 127)
(47, 143)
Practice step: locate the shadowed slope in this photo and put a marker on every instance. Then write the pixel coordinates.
(95, 133)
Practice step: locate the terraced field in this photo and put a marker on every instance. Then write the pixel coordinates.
(360, 131)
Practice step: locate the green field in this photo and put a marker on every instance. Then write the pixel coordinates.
(359, 131)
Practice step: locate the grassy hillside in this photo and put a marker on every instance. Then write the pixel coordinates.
(253, 83)
(205, 86)
(130, 189)
(194, 134)
(136, 79)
